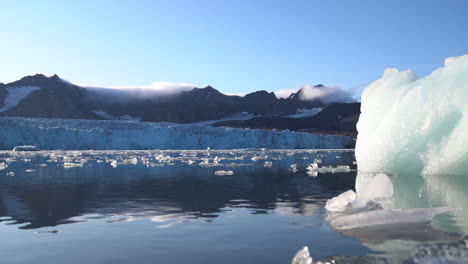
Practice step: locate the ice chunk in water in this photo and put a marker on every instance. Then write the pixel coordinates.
(26, 148)
(302, 257)
(268, 164)
(386, 217)
(376, 188)
(340, 202)
(3, 165)
(222, 173)
(68, 165)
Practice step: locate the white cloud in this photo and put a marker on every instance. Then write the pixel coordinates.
(156, 87)
(327, 94)
(285, 93)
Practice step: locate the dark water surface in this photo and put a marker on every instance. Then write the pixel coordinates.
(142, 207)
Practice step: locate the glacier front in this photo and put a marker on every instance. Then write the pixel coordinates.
(414, 124)
(51, 134)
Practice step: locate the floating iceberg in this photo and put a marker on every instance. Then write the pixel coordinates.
(50, 134)
(413, 124)
(415, 128)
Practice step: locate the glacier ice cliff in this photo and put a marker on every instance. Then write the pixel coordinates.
(414, 124)
(50, 134)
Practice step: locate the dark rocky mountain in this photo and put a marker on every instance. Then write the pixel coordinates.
(335, 118)
(55, 98)
(52, 97)
(209, 104)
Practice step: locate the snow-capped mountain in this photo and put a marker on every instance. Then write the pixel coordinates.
(52, 97)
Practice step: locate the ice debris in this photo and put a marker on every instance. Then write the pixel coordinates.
(386, 217)
(26, 148)
(302, 257)
(223, 172)
(340, 202)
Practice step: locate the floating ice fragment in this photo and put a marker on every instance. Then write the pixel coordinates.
(386, 217)
(68, 165)
(340, 202)
(313, 167)
(26, 148)
(3, 165)
(162, 158)
(10, 173)
(268, 164)
(375, 188)
(114, 164)
(302, 257)
(133, 161)
(222, 173)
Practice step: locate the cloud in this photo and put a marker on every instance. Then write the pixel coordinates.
(326, 94)
(162, 88)
(285, 93)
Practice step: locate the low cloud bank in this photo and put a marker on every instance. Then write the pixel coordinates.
(326, 94)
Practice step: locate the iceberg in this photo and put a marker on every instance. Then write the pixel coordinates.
(411, 157)
(53, 134)
(414, 124)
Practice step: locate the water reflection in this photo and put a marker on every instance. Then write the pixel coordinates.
(54, 195)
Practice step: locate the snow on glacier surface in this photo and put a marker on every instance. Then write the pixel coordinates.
(415, 124)
(15, 95)
(98, 134)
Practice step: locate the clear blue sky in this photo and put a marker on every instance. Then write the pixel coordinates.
(236, 46)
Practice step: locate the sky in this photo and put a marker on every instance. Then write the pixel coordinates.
(235, 46)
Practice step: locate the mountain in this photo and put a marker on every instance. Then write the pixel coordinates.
(40, 96)
(52, 97)
(209, 104)
(335, 118)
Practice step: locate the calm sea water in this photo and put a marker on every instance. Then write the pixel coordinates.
(147, 207)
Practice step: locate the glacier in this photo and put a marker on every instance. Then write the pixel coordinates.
(414, 124)
(65, 134)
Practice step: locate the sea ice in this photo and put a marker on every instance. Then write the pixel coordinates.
(268, 164)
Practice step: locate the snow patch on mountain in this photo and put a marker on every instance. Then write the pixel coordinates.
(15, 95)
(112, 117)
(306, 112)
(241, 116)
